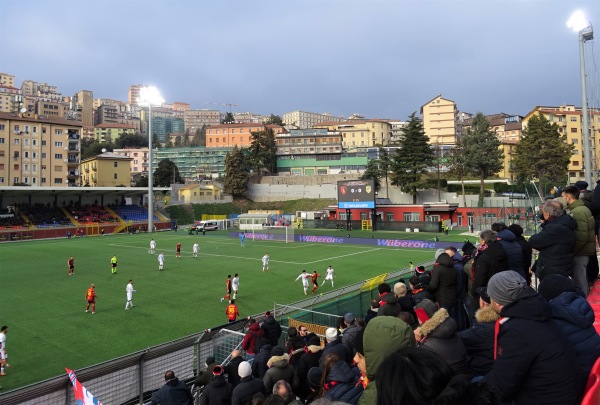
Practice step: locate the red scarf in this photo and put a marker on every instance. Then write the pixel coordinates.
(499, 322)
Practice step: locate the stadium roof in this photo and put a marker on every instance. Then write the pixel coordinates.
(19, 191)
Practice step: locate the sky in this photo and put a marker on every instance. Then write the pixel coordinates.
(377, 58)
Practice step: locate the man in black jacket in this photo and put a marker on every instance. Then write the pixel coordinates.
(514, 253)
(232, 368)
(525, 248)
(555, 242)
(173, 392)
(218, 391)
(489, 260)
(534, 362)
(272, 329)
(248, 386)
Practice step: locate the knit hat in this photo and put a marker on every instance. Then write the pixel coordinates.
(554, 285)
(244, 369)
(505, 287)
(425, 310)
(516, 229)
(210, 360)
(331, 334)
(349, 318)
(359, 342)
(313, 378)
(420, 269)
(482, 291)
(581, 185)
(277, 351)
(217, 370)
(313, 341)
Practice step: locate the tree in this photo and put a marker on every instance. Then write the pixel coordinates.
(483, 155)
(200, 137)
(127, 140)
(413, 158)
(457, 164)
(91, 148)
(274, 119)
(543, 153)
(385, 165)
(166, 174)
(236, 176)
(228, 119)
(373, 172)
(186, 138)
(178, 143)
(263, 151)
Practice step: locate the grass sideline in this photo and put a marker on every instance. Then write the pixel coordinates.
(44, 307)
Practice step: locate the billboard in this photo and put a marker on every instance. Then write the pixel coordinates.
(356, 194)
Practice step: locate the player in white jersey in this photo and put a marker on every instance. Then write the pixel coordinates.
(3, 353)
(235, 285)
(161, 261)
(304, 276)
(330, 275)
(129, 290)
(195, 250)
(265, 262)
(152, 246)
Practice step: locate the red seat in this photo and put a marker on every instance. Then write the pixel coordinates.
(592, 394)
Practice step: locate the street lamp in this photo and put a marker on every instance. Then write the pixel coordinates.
(583, 27)
(150, 96)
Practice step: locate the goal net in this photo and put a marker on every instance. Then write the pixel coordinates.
(281, 233)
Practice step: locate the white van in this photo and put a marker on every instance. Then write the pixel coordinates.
(207, 226)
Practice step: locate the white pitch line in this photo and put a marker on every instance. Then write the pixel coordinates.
(341, 256)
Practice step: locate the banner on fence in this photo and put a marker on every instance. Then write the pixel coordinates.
(82, 395)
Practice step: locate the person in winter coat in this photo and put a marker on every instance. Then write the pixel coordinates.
(174, 391)
(489, 260)
(418, 290)
(514, 253)
(525, 249)
(259, 365)
(294, 345)
(339, 382)
(249, 341)
(279, 369)
(272, 329)
(461, 317)
(575, 317)
(309, 359)
(479, 340)
(232, 368)
(334, 345)
(405, 300)
(438, 334)
(555, 241)
(534, 362)
(204, 378)
(382, 337)
(248, 386)
(218, 391)
(349, 336)
(443, 282)
(372, 311)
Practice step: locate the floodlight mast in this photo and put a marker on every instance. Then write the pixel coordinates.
(583, 28)
(149, 96)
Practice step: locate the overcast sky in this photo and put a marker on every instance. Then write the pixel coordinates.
(378, 58)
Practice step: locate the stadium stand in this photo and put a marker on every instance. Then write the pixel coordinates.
(91, 214)
(132, 213)
(43, 216)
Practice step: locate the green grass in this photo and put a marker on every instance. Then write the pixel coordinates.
(45, 308)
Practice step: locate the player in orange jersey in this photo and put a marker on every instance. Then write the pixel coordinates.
(314, 278)
(232, 311)
(90, 297)
(227, 295)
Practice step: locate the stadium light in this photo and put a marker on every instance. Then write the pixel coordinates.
(579, 23)
(149, 96)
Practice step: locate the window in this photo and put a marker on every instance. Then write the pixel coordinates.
(26, 142)
(26, 154)
(34, 155)
(116, 164)
(17, 141)
(389, 216)
(342, 216)
(364, 216)
(34, 168)
(58, 156)
(25, 168)
(135, 162)
(43, 179)
(16, 127)
(412, 216)
(34, 142)
(58, 144)
(57, 180)
(575, 163)
(16, 155)
(35, 132)
(16, 167)
(1, 180)
(1, 140)
(15, 179)
(1, 166)
(58, 132)
(43, 143)
(43, 132)
(573, 119)
(1, 127)
(43, 155)
(574, 130)
(115, 176)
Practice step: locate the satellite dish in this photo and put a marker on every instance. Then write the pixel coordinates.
(23, 109)
(103, 150)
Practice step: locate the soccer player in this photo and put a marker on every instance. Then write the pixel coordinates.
(232, 311)
(265, 262)
(71, 265)
(227, 289)
(330, 275)
(235, 285)
(315, 283)
(129, 290)
(152, 246)
(3, 354)
(161, 261)
(304, 276)
(178, 249)
(113, 264)
(243, 238)
(195, 249)
(90, 297)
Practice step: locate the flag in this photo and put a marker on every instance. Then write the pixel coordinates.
(82, 395)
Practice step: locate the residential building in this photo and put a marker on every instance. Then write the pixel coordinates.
(304, 119)
(111, 132)
(106, 170)
(508, 148)
(229, 135)
(162, 127)
(51, 108)
(193, 163)
(350, 162)
(439, 121)
(196, 119)
(7, 80)
(568, 120)
(397, 133)
(248, 118)
(83, 104)
(199, 193)
(10, 99)
(139, 160)
(299, 143)
(133, 94)
(41, 91)
(180, 106)
(39, 150)
(357, 133)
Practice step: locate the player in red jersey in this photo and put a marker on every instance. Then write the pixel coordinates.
(227, 289)
(314, 278)
(90, 297)
(232, 311)
(71, 265)
(178, 249)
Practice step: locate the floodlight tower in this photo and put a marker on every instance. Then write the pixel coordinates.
(583, 27)
(150, 96)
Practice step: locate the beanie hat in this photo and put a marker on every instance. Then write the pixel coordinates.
(516, 229)
(506, 286)
(415, 281)
(292, 331)
(313, 378)
(349, 318)
(331, 334)
(420, 269)
(482, 291)
(217, 370)
(244, 369)
(210, 360)
(313, 341)
(359, 342)
(554, 285)
(581, 185)
(425, 310)
(277, 351)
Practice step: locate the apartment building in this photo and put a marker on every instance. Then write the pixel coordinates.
(196, 119)
(230, 135)
(439, 121)
(39, 150)
(106, 170)
(194, 162)
(133, 94)
(248, 118)
(111, 132)
(360, 133)
(304, 119)
(139, 160)
(568, 119)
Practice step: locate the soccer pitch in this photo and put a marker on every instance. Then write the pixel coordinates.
(44, 307)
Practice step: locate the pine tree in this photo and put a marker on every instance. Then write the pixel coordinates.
(236, 176)
(373, 172)
(263, 151)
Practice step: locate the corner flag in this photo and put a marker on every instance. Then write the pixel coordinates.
(82, 395)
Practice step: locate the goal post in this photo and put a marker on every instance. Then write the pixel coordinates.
(281, 233)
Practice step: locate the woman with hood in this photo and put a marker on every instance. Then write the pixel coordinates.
(339, 381)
